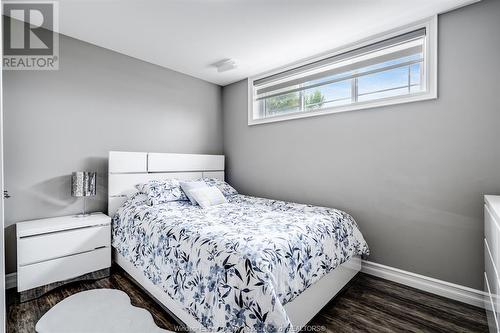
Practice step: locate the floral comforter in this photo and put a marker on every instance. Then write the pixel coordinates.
(234, 266)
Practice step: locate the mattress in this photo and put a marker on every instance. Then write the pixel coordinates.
(234, 266)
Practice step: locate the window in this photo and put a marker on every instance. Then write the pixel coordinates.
(398, 67)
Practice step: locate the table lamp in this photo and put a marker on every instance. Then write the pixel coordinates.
(83, 184)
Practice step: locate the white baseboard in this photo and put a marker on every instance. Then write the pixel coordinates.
(10, 280)
(442, 288)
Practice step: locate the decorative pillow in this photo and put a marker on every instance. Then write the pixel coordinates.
(208, 196)
(138, 199)
(162, 191)
(224, 187)
(187, 187)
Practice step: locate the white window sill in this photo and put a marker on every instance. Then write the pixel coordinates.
(351, 107)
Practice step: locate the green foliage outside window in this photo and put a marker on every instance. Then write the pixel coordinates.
(283, 102)
(291, 102)
(314, 100)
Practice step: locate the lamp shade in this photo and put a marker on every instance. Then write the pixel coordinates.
(83, 184)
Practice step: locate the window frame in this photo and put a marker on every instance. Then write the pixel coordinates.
(430, 69)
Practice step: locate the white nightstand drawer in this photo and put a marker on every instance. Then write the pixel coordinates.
(35, 249)
(32, 276)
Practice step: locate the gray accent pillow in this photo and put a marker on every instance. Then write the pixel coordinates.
(188, 187)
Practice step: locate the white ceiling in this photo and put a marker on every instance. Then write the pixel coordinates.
(190, 35)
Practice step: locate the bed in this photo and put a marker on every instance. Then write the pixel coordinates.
(249, 265)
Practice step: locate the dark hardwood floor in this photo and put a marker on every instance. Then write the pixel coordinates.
(368, 304)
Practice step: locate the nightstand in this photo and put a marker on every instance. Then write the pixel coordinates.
(55, 251)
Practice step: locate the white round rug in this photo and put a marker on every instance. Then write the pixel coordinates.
(97, 311)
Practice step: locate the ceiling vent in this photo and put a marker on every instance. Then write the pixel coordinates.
(225, 65)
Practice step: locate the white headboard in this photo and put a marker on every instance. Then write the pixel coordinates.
(127, 169)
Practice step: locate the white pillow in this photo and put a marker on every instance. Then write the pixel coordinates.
(187, 187)
(208, 196)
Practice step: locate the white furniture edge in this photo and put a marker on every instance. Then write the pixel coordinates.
(435, 286)
(493, 203)
(125, 169)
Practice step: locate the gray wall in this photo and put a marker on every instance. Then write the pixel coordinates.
(62, 121)
(412, 175)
